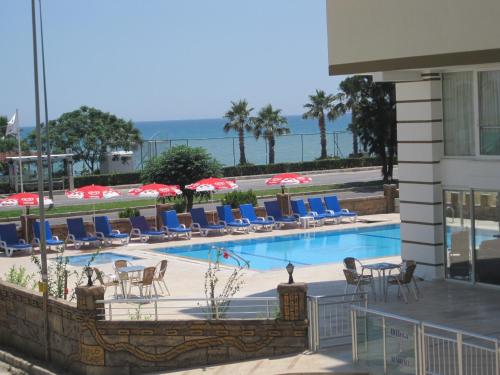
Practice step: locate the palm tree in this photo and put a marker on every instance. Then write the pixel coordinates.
(270, 124)
(239, 121)
(319, 103)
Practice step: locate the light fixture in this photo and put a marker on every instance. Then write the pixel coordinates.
(289, 269)
(89, 272)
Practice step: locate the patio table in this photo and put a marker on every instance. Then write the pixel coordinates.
(381, 268)
(129, 270)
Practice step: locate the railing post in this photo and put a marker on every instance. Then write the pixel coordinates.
(156, 310)
(415, 343)
(423, 350)
(302, 146)
(354, 329)
(384, 344)
(267, 309)
(110, 311)
(497, 369)
(459, 354)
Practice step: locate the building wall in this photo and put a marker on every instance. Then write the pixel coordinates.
(379, 35)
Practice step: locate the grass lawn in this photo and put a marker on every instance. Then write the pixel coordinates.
(141, 203)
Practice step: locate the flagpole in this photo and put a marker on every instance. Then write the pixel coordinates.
(43, 249)
(20, 153)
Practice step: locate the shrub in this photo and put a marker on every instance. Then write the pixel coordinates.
(235, 198)
(129, 212)
(19, 276)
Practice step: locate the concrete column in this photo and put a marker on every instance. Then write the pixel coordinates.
(420, 149)
(293, 301)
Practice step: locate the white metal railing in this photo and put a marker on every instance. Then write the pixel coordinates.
(399, 345)
(329, 318)
(189, 308)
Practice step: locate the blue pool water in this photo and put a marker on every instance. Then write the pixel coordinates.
(101, 258)
(304, 249)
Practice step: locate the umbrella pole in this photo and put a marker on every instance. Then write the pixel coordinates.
(156, 213)
(26, 224)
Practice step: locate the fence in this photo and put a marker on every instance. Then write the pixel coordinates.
(399, 345)
(289, 148)
(189, 308)
(329, 318)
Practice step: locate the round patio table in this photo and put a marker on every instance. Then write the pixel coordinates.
(128, 270)
(381, 268)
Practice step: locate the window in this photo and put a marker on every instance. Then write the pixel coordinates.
(489, 112)
(458, 114)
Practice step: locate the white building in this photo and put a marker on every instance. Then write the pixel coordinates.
(445, 59)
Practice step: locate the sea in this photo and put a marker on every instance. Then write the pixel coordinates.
(302, 144)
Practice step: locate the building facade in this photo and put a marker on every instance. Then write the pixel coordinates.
(444, 57)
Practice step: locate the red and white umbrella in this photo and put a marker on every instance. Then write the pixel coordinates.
(155, 191)
(212, 184)
(24, 200)
(284, 179)
(93, 192)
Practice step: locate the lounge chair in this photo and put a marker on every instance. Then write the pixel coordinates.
(248, 215)
(404, 279)
(201, 224)
(106, 233)
(274, 214)
(171, 225)
(332, 203)
(316, 205)
(231, 224)
(78, 235)
(300, 212)
(141, 229)
(9, 242)
(50, 240)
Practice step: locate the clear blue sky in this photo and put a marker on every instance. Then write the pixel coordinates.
(165, 59)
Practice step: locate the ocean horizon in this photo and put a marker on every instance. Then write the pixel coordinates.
(302, 144)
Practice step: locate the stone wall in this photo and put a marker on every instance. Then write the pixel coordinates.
(364, 206)
(81, 343)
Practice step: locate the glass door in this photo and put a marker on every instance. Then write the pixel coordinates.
(457, 213)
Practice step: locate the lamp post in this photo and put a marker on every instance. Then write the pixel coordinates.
(89, 272)
(289, 268)
(43, 249)
(47, 141)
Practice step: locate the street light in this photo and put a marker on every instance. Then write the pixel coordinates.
(89, 272)
(43, 249)
(289, 268)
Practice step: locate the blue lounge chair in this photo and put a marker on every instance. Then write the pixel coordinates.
(231, 224)
(141, 228)
(78, 235)
(316, 205)
(50, 240)
(274, 213)
(106, 233)
(9, 242)
(300, 212)
(201, 224)
(248, 215)
(332, 203)
(171, 225)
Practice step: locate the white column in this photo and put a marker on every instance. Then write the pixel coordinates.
(420, 148)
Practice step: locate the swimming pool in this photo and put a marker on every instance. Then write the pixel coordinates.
(304, 248)
(101, 258)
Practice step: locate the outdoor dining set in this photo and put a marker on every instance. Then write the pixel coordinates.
(359, 275)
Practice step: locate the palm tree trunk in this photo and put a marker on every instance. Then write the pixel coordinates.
(322, 131)
(241, 136)
(189, 195)
(272, 143)
(355, 143)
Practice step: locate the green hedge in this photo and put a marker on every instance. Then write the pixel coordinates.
(315, 165)
(246, 170)
(109, 179)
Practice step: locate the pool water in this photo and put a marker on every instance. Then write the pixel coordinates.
(101, 258)
(303, 249)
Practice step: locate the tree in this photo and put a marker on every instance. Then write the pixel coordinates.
(8, 143)
(319, 104)
(373, 107)
(240, 121)
(181, 165)
(269, 124)
(90, 133)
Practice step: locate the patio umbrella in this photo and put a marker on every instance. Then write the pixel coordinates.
(212, 184)
(93, 192)
(155, 190)
(285, 179)
(24, 200)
